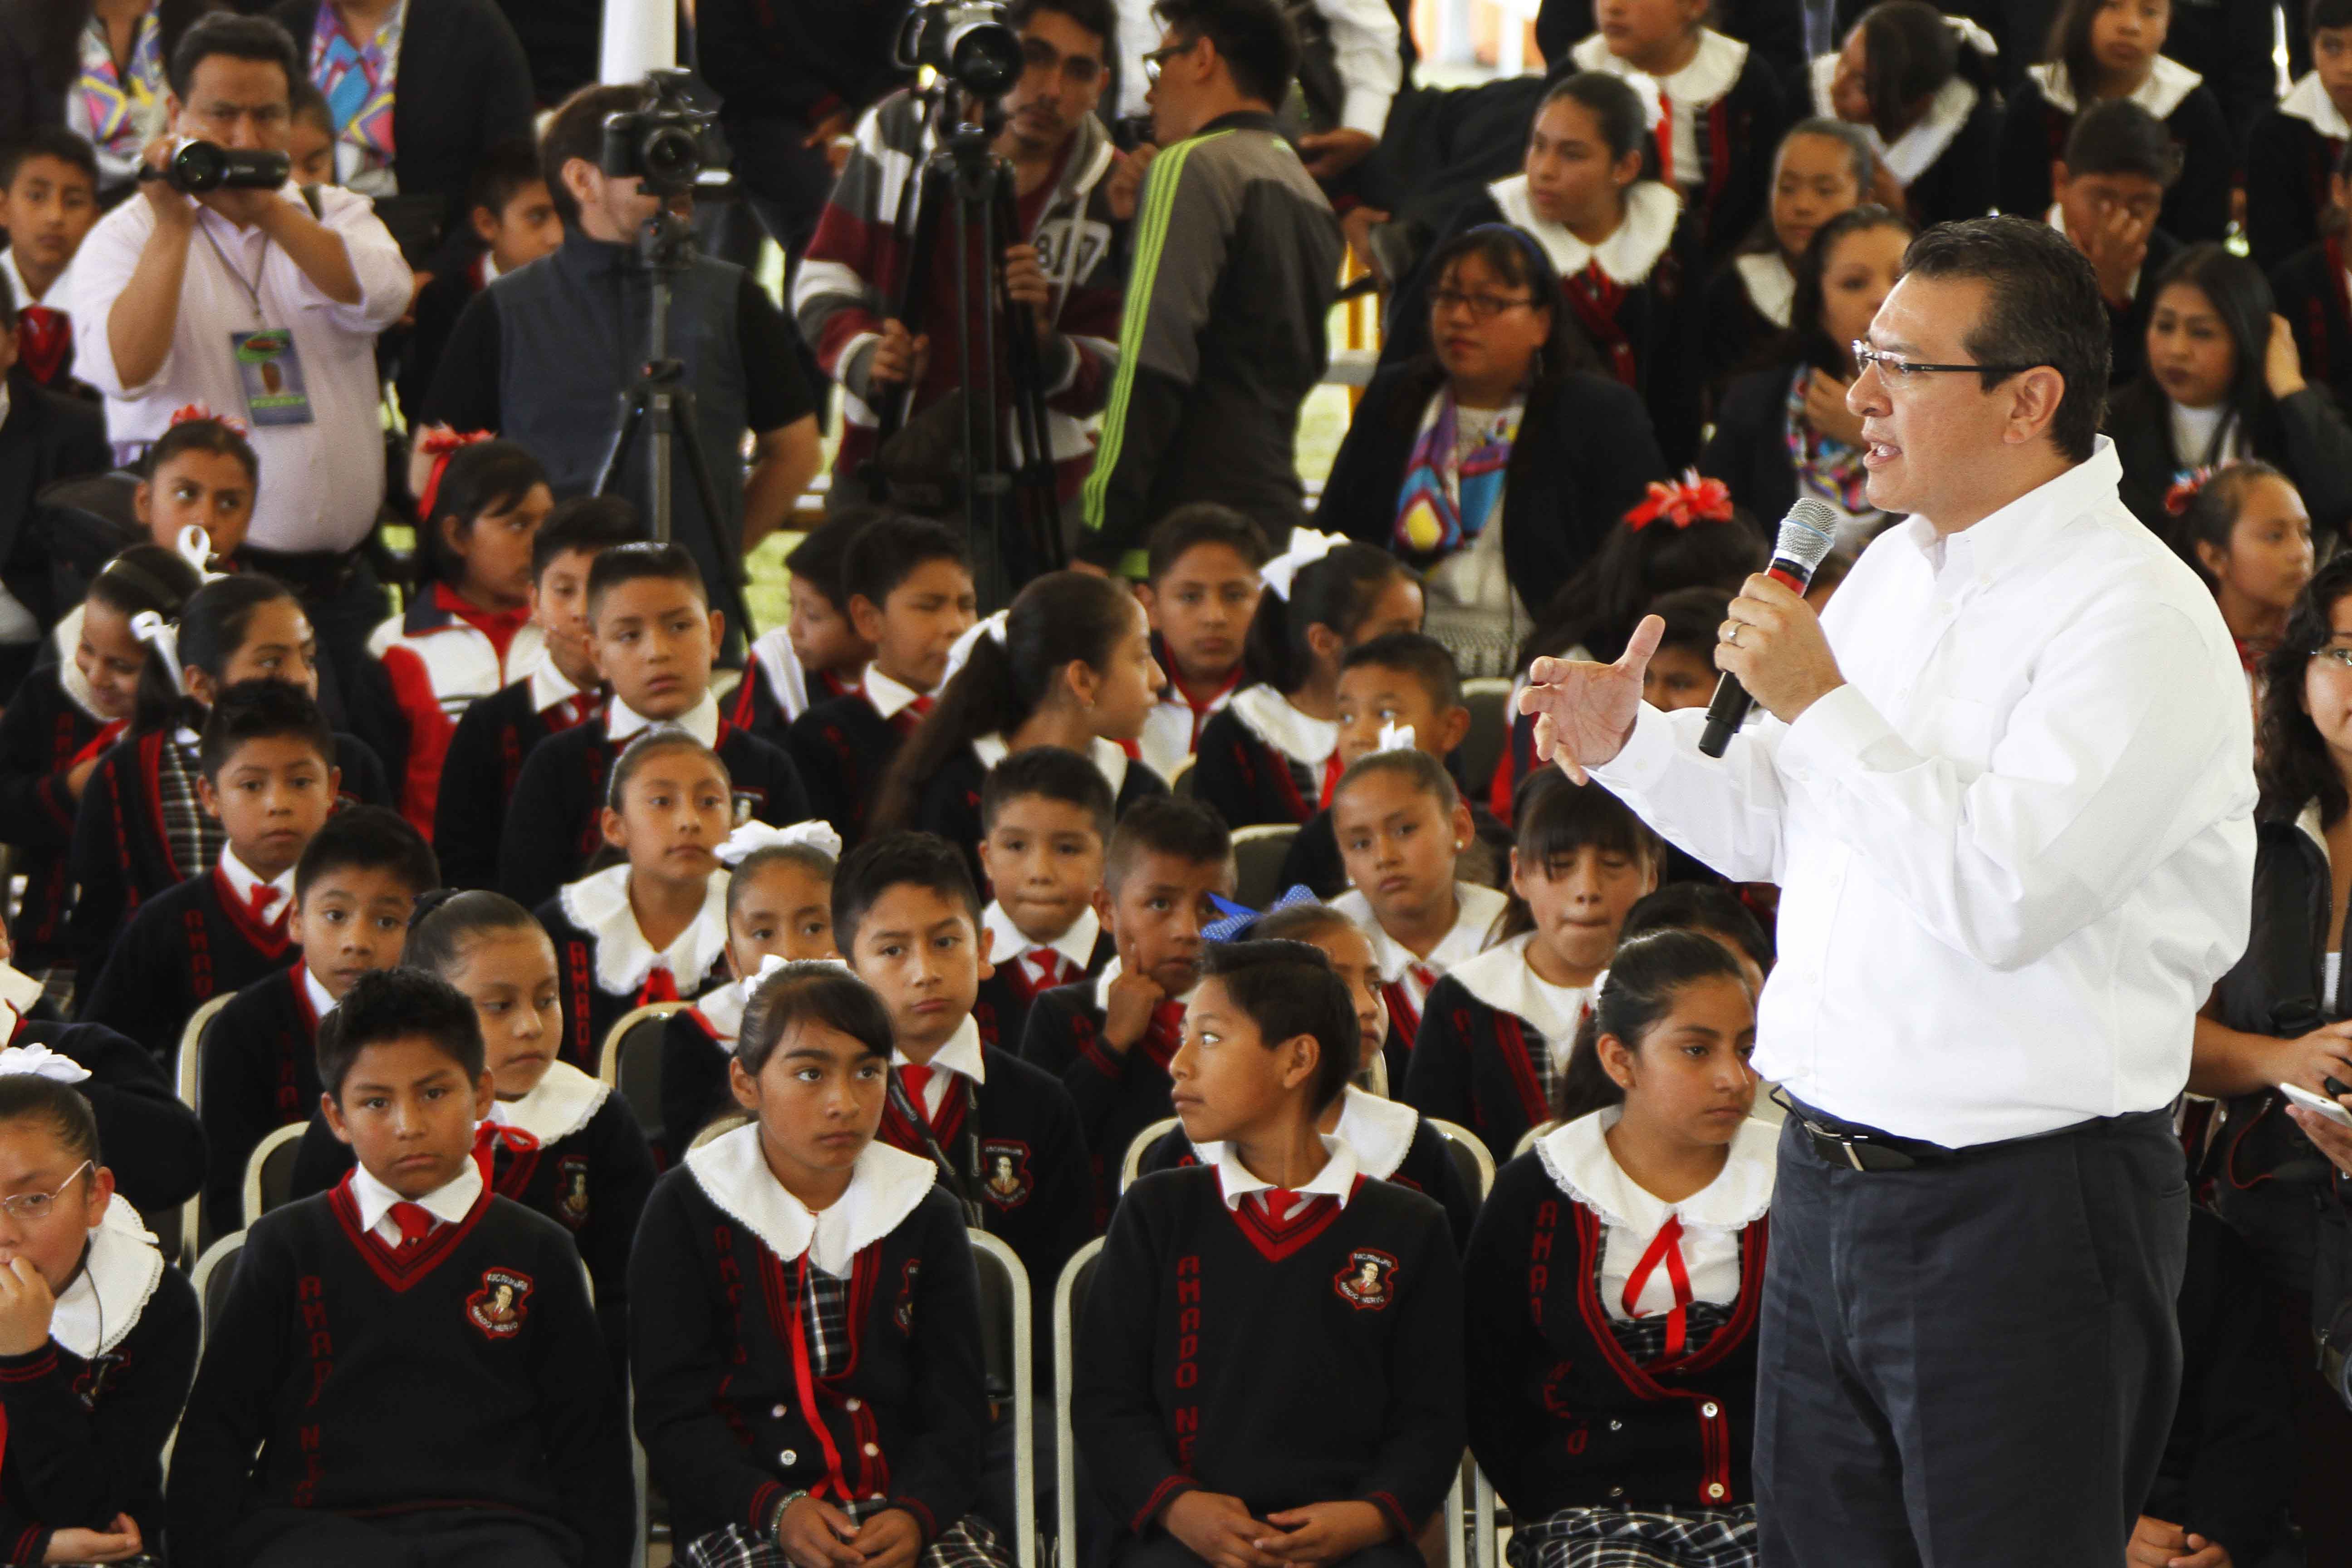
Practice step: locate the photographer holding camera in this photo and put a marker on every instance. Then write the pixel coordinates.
(1066, 267)
(260, 300)
(543, 353)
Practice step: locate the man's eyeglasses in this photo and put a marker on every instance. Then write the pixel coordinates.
(31, 1209)
(1152, 62)
(1481, 307)
(1895, 371)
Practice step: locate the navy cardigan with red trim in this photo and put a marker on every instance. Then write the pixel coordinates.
(1211, 1337)
(186, 945)
(41, 733)
(1248, 781)
(478, 774)
(1473, 1065)
(718, 1404)
(1559, 1415)
(1117, 1093)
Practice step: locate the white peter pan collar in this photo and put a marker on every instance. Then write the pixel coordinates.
(119, 1274)
(1771, 287)
(599, 905)
(622, 722)
(1269, 715)
(449, 1203)
(884, 1189)
(961, 1054)
(2167, 83)
(1077, 944)
(2308, 101)
(1502, 979)
(1108, 757)
(1713, 71)
(1914, 152)
(1625, 257)
(1337, 1179)
(1378, 1132)
(550, 685)
(889, 695)
(1577, 1158)
(1477, 908)
(565, 1101)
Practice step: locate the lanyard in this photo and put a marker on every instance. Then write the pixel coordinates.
(1665, 1245)
(253, 288)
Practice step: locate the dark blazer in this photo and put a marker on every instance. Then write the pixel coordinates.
(463, 87)
(46, 437)
(2033, 133)
(2288, 165)
(2311, 292)
(1960, 184)
(1749, 450)
(1584, 456)
(2306, 436)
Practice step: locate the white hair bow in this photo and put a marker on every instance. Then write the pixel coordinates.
(993, 628)
(164, 637)
(768, 963)
(196, 547)
(1598, 981)
(41, 1062)
(1305, 548)
(1973, 37)
(1394, 737)
(753, 837)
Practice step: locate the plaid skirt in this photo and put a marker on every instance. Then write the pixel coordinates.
(969, 1542)
(1661, 1537)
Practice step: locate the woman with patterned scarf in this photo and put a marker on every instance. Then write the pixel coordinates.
(95, 66)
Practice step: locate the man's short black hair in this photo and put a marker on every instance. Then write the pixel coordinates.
(887, 550)
(2042, 307)
(576, 130)
(1199, 522)
(1173, 824)
(588, 524)
(239, 37)
(368, 838)
(822, 556)
(1096, 16)
(1289, 989)
(1051, 772)
(47, 142)
(505, 169)
(892, 860)
(261, 711)
(388, 1004)
(1253, 38)
(1422, 656)
(641, 560)
(2118, 137)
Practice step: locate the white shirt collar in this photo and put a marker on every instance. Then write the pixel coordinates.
(599, 905)
(1992, 546)
(1337, 1179)
(320, 1003)
(1771, 287)
(1502, 979)
(1578, 1160)
(563, 1102)
(1712, 72)
(1477, 908)
(1378, 1132)
(22, 290)
(1077, 944)
(102, 1304)
(2160, 94)
(961, 1054)
(889, 695)
(243, 880)
(884, 1189)
(550, 685)
(773, 653)
(449, 1203)
(1268, 714)
(2308, 101)
(701, 720)
(68, 637)
(1108, 757)
(1652, 210)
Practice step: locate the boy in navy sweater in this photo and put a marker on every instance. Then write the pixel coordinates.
(407, 1369)
(353, 890)
(1231, 1298)
(909, 596)
(655, 637)
(269, 779)
(1045, 818)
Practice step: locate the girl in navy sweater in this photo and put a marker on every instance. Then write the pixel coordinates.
(1612, 1285)
(806, 1335)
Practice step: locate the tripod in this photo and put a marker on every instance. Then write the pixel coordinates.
(1012, 519)
(659, 406)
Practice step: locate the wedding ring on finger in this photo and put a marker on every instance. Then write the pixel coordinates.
(1731, 632)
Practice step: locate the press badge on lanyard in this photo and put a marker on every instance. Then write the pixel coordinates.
(269, 366)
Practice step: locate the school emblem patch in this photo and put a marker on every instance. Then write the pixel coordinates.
(499, 1307)
(903, 1314)
(1368, 1281)
(1004, 1177)
(571, 1189)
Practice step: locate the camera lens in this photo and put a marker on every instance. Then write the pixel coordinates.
(198, 167)
(671, 154)
(984, 57)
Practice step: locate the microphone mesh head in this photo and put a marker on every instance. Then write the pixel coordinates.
(1808, 533)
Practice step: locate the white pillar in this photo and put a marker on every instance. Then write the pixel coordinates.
(639, 36)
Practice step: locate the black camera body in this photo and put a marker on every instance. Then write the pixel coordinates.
(196, 167)
(666, 145)
(970, 42)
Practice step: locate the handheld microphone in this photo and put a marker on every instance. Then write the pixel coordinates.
(1807, 535)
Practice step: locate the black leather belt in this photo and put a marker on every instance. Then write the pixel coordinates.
(1869, 1149)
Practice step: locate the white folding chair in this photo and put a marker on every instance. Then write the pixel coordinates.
(1468, 1151)
(269, 1169)
(1138, 1146)
(991, 1254)
(1067, 1293)
(190, 1068)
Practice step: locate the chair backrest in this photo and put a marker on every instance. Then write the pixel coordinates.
(269, 1169)
(1140, 1145)
(215, 1272)
(1180, 781)
(1007, 1346)
(1488, 698)
(1528, 1139)
(717, 1127)
(169, 1240)
(190, 1068)
(1069, 1306)
(1258, 853)
(1472, 1162)
(1376, 1077)
(630, 1060)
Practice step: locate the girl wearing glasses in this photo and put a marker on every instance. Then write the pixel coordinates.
(2224, 383)
(1823, 168)
(1496, 462)
(1587, 193)
(1785, 431)
(2284, 1016)
(98, 1336)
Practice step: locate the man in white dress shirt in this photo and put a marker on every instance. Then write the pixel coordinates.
(2006, 784)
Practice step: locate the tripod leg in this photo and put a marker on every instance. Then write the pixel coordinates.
(726, 541)
(632, 419)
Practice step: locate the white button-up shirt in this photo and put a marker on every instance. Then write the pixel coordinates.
(2016, 849)
(320, 482)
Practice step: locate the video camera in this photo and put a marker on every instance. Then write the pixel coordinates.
(969, 42)
(196, 167)
(668, 144)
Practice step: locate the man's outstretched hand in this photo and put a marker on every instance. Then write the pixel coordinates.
(1584, 712)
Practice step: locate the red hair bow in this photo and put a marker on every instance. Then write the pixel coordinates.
(1683, 501)
(190, 413)
(441, 444)
(2184, 488)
